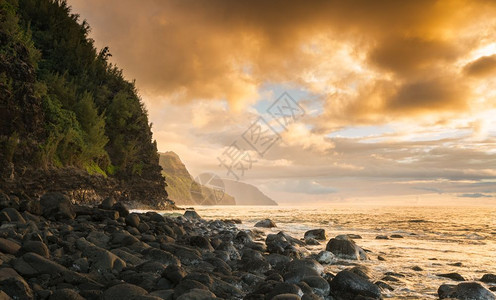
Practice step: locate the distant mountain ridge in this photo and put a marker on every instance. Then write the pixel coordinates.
(180, 185)
(246, 194)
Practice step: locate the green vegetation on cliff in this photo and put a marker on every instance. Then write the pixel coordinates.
(62, 103)
(183, 190)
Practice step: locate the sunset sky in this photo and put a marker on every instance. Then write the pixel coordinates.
(399, 96)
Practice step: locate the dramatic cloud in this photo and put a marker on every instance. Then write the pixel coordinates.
(399, 95)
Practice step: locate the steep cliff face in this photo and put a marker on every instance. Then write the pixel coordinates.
(246, 194)
(183, 190)
(69, 121)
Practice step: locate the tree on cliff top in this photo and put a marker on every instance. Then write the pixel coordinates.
(61, 95)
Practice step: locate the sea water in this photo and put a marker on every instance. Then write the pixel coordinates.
(434, 239)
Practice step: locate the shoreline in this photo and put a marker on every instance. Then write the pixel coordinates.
(56, 250)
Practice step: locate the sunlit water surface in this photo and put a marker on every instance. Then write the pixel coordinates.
(434, 238)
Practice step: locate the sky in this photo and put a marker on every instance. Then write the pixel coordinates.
(378, 101)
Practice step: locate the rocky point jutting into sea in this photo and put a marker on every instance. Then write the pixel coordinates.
(54, 249)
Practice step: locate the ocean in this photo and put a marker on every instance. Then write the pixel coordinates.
(436, 239)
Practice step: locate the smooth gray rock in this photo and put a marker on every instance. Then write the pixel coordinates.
(347, 285)
(267, 223)
(465, 291)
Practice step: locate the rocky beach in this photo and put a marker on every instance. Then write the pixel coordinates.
(54, 249)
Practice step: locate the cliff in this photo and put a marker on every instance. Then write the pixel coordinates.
(183, 190)
(246, 194)
(69, 120)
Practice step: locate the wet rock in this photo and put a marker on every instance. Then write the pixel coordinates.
(187, 285)
(121, 208)
(197, 294)
(163, 294)
(124, 291)
(345, 248)
(325, 257)
(174, 273)
(14, 285)
(191, 214)
(361, 271)
(278, 261)
(267, 223)
(452, 276)
(390, 278)
(354, 236)
(319, 285)
(37, 247)
(102, 259)
(318, 234)
(65, 294)
(161, 256)
(57, 207)
(298, 264)
(186, 255)
(201, 242)
(384, 286)
(465, 291)
(100, 239)
(488, 278)
(108, 203)
(32, 264)
(347, 285)
(133, 220)
(283, 288)
(8, 246)
(123, 238)
(312, 242)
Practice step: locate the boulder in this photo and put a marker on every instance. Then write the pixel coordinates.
(191, 214)
(201, 242)
(65, 294)
(121, 208)
(161, 256)
(108, 203)
(282, 288)
(319, 285)
(488, 278)
(14, 285)
(37, 247)
(348, 285)
(124, 291)
(318, 234)
(465, 291)
(345, 248)
(267, 223)
(57, 206)
(186, 286)
(452, 276)
(8, 246)
(325, 257)
(32, 265)
(197, 294)
(133, 220)
(101, 259)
